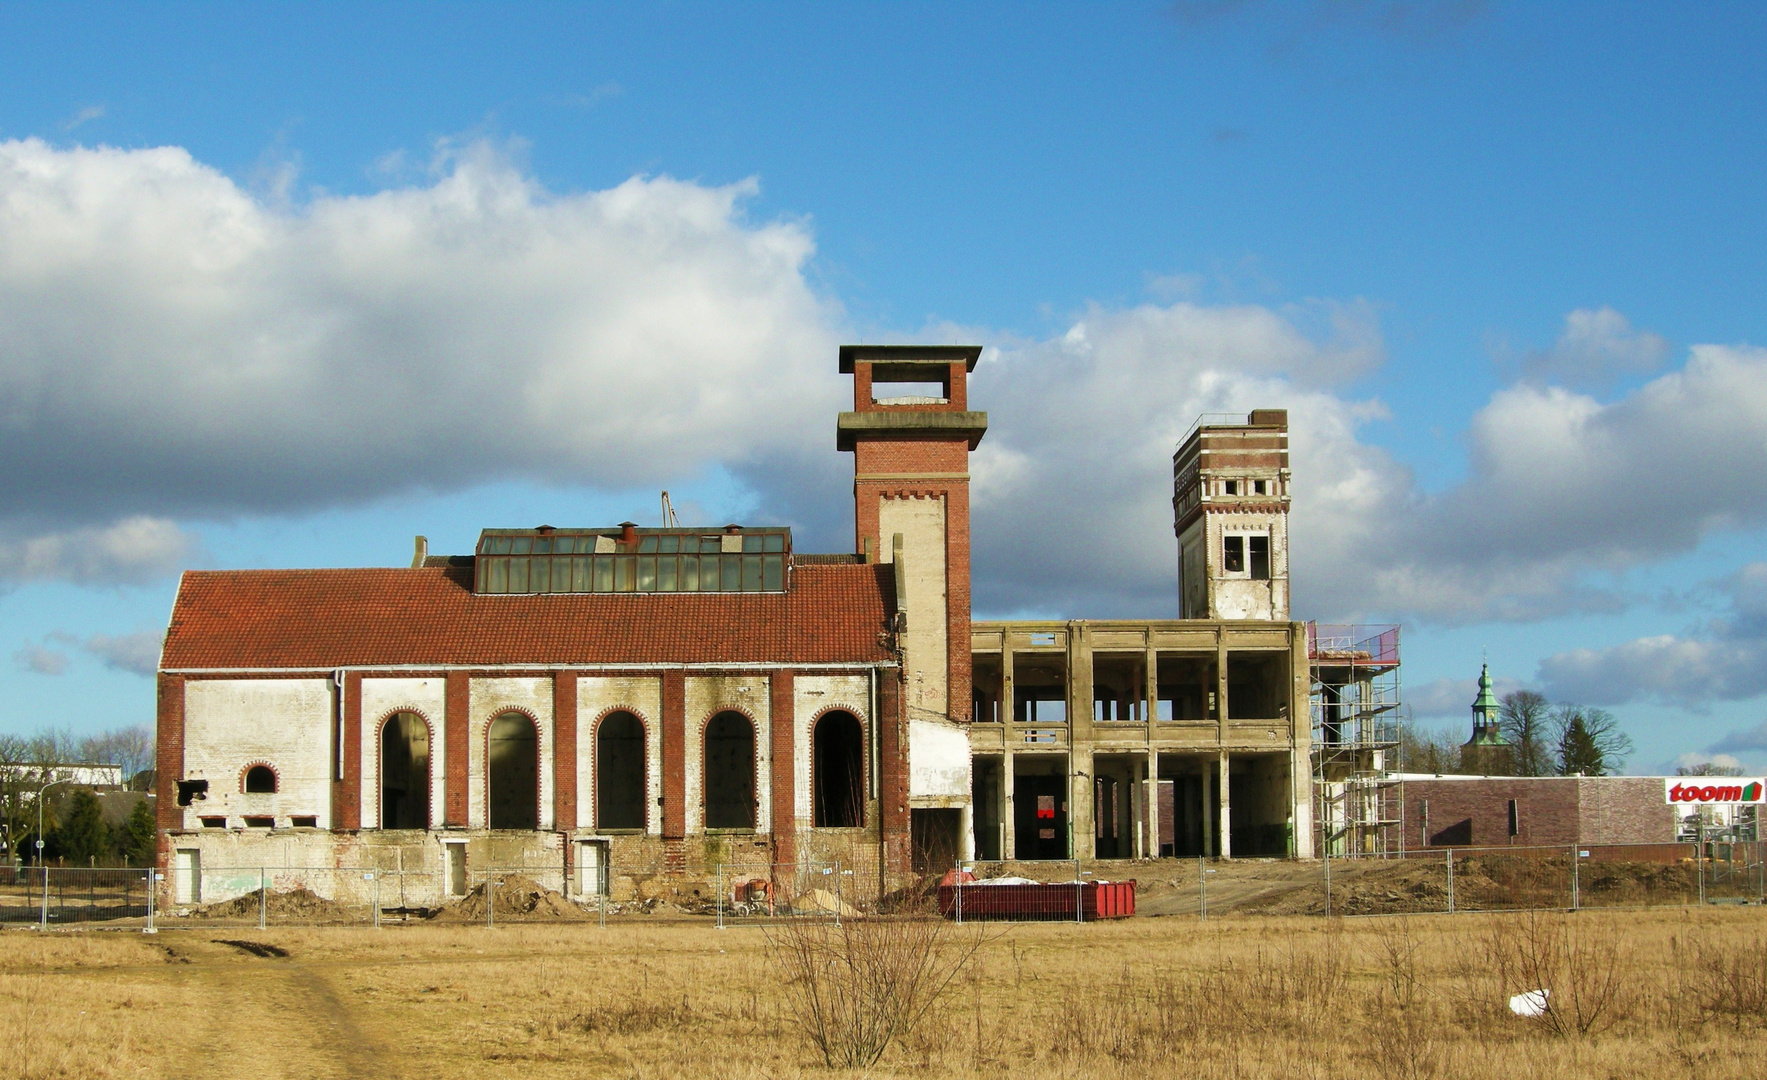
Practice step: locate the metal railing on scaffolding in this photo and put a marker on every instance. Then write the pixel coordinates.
(1353, 694)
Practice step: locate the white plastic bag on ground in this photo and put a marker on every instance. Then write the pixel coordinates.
(1530, 1004)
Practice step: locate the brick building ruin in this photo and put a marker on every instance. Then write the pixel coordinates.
(687, 700)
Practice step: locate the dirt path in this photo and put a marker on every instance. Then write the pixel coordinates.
(269, 1016)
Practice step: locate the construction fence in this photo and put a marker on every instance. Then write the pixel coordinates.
(1431, 881)
(265, 896)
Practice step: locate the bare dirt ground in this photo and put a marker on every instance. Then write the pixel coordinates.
(1667, 991)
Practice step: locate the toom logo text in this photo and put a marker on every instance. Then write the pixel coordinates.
(1715, 789)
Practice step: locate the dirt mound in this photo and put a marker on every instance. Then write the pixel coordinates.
(516, 897)
(297, 903)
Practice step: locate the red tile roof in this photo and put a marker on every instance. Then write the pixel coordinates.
(431, 616)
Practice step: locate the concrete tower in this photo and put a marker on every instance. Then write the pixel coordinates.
(910, 433)
(1230, 498)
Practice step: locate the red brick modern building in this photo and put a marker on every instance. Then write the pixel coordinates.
(1534, 811)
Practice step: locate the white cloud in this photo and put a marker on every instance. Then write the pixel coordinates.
(1072, 485)
(171, 345)
(1555, 494)
(1596, 347)
(83, 116)
(138, 652)
(1724, 661)
(1662, 668)
(1452, 697)
(131, 551)
(41, 660)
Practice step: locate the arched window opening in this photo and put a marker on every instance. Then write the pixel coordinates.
(619, 772)
(837, 772)
(260, 780)
(404, 772)
(730, 772)
(514, 794)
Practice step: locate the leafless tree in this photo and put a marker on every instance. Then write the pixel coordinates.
(1709, 768)
(1526, 720)
(1427, 751)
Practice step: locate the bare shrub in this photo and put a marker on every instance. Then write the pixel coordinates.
(856, 987)
(1581, 970)
(1402, 1037)
(1729, 981)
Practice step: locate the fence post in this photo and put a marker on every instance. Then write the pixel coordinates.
(957, 891)
(1079, 894)
(1698, 852)
(1328, 882)
(263, 898)
(1576, 878)
(1450, 881)
(44, 924)
(720, 888)
(152, 880)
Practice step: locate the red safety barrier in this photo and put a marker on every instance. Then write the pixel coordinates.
(1037, 902)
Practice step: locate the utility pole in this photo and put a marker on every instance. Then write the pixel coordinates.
(41, 865)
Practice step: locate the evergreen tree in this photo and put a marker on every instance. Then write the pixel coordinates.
(135, 839)
(83, 835)
(1578, 752)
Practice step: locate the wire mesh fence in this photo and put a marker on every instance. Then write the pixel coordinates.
(1433, 881)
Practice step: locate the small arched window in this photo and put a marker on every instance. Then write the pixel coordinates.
(260, 780)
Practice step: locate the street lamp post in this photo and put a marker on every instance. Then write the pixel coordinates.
(41, 865)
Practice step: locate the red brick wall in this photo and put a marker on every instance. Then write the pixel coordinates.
(1475, 813)
(782, 717)
(347, 812)
(564, 750)
(893, 771)
(457, 700)
(1625, 810)
(674, 754)
(168, 761)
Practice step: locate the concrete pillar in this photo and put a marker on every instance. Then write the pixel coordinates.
(1153, 803)
(1082, 803)
(1009, 735)
(1149, 822)
(1226, 812)
(1301, 732)
(1210, 849)
(1221, 713)
(1082, 820)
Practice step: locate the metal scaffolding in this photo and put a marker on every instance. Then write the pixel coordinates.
(1354, 694)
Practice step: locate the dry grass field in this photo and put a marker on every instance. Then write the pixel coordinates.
(1637, 993)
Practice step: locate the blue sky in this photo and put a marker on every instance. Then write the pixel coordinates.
(286, 285)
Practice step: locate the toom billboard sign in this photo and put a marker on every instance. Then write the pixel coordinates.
(1715, 789)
